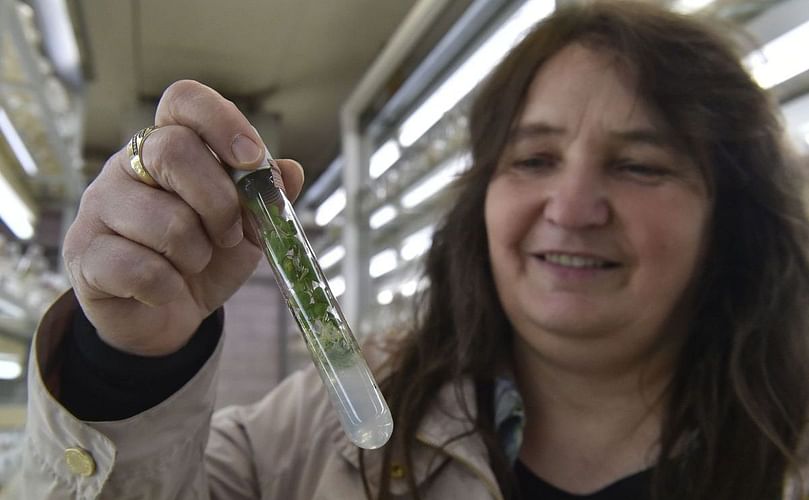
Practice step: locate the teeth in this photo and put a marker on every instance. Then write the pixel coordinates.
(574, 261)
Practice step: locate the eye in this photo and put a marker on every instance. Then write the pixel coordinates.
(537, 161)
(642, 171)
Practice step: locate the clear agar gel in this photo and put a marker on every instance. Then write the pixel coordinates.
(352, 390)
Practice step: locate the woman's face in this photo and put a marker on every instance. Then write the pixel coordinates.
(595, 222)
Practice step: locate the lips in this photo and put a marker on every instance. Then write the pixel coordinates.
(576, 261)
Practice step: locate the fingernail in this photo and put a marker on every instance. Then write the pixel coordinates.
(233, 235)
(245, 150)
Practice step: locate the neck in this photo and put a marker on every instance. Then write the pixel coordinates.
(592, 416)
(591, 388)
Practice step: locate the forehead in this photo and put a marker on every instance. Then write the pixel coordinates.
(587, 86)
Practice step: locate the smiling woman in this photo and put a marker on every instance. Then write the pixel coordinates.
(595, 233)
(643, 272)
(594, 230)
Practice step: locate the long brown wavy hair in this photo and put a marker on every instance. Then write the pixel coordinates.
(738, 400)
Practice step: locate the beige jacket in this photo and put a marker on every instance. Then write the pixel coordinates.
(287, 446)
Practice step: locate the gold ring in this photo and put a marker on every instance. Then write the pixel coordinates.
(135, 148)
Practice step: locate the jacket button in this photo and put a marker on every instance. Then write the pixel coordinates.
(80, 462)
(397, 471)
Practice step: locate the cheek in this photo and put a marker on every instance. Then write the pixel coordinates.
(510, 213)
(496, 211)
(504, 217)
(671, 241)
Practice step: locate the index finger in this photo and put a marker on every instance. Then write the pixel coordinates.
(217, 120)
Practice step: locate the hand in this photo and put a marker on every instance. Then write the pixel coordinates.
(148, 264)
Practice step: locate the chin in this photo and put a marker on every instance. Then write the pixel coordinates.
(566, 327)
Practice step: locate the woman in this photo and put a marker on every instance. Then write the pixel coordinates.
(617, 300)
(670, 257)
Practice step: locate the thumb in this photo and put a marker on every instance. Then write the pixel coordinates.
(291, 177)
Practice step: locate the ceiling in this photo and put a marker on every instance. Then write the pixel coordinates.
(288, 64)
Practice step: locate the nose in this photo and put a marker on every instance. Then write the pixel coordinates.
(577, 198)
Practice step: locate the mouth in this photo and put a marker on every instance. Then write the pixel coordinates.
(576, 261)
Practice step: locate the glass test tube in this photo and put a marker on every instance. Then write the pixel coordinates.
(353, 392)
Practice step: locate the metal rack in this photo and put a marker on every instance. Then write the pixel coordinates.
(379, 301)
(47, 115)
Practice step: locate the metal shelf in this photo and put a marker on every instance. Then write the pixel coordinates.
(47, 114)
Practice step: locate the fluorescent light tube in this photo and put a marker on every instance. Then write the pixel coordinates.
(337, 285)
(473, 70)
(409, 288)
(417, 243)
(780, 59)
(59, 37)
(384, 297)
(332, 256)
(330, 207)
(444, 174)
(383, 158)
(383, 263)
(689, 6)
(16, 144)
(10, 369)
(382, 216)
(11, 309)
(14, 212)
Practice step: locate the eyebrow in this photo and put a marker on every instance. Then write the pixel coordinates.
(534, 129)
(646, 136)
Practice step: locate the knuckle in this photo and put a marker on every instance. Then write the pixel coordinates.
(184, 94)
(78, 241)
(147, 274)
(222, 210)
(87, 277)
(69, 250)
(91, 192)
(184, 242)
(87, 263)
(73, 276)
(230, 107)
(181, 89)
(70, 257)
(175, 150)
(91, 198)
(180, 228)
(165, 154)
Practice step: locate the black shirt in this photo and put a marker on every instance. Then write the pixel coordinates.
(101, 383)
(634, 487)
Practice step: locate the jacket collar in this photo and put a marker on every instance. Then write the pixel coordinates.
(446, 419)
